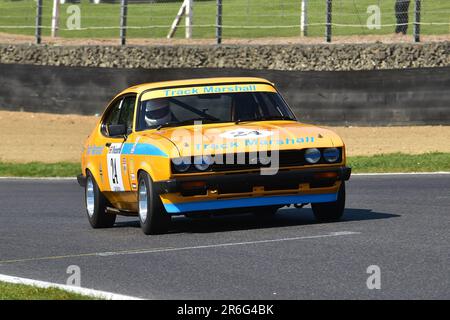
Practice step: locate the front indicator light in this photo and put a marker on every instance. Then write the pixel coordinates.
(326, 175)
(190, 185)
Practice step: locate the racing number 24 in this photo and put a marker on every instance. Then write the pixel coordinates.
(113, 163)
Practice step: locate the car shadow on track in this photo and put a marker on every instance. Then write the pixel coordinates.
(284, 218)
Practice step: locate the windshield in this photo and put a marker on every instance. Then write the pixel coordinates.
(212, 108)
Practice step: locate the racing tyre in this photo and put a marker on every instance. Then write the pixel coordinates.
(330, 211)
(152, 215)
(96, 205)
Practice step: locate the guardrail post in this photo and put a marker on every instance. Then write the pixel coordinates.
(123, 21)
(55, 18)
(38, 30)
(329, 17)
(188, 19)
(417, 15)
(219, 22)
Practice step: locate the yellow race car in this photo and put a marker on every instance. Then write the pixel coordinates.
(208, 146)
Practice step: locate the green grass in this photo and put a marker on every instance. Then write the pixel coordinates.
(10, 291)
(39, 169)
(237, 13)
(399, 162)
(395, 162)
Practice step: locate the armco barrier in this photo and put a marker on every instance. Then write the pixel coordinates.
(381, 97)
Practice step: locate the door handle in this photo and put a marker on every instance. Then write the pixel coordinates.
(108, 144)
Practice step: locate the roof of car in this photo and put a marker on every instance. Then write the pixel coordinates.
(199, 81)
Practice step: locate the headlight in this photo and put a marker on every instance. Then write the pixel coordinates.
(202, 163)
(312, 155)
(181, 164)
(331, 154)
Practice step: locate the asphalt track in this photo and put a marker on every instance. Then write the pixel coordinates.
(401, 223)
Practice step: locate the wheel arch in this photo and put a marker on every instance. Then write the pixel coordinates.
(147, 168)
(95, 172)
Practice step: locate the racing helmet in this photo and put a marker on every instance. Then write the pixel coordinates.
(157, 112)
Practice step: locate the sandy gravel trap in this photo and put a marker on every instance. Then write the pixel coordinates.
(44, 137)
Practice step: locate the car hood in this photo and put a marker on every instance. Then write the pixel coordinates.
(248, 137)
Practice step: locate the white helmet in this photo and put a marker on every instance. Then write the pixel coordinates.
(157, 112)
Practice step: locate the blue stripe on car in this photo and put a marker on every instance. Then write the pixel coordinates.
(143, 149)
(248, 202)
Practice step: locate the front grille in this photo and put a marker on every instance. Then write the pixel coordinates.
(251, 161)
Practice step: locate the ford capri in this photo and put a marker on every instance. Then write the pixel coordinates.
(202, 147)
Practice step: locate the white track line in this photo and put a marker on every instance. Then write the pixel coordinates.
(112, 296)
(229, 244)
(171, 249)
(78, 290)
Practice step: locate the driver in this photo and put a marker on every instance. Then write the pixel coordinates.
(157, 112)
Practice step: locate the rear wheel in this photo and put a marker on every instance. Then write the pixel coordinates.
(152, 215)
(330, 211)
(96, 205)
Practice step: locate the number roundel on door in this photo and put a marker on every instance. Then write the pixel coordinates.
(114, 167)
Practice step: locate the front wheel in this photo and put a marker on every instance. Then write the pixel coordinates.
(330, 211)
(96, 205)
(152, 215)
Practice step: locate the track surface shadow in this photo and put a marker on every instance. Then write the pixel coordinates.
(284, 218)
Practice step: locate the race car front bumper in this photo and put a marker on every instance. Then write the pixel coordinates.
(254, 179)
(252, 189)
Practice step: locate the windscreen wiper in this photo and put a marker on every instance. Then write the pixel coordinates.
(275, 118)
(192, 109)
(184, 122)
(265, 118)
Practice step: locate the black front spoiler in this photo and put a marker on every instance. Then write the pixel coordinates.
(253, 179)
(249, 179)
(81, 180)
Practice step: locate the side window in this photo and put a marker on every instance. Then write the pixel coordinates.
(127, 111)
(121, 112)
(112, 116)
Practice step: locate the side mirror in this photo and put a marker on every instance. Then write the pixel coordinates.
(115, 130)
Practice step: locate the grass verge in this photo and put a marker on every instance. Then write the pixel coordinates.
(39, 169)
(279, 18)
(394, 162)
(9, 291)
(399, 162)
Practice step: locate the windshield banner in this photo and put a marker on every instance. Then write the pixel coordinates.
(189, 91)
